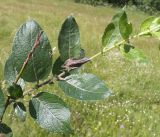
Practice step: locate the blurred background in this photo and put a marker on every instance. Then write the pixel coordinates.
(133, 110)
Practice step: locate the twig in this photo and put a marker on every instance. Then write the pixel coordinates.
(122, 42)
(60, 76)
(49, 81)
(29, 56)
(8, 102)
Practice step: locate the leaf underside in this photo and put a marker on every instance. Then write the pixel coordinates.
(20, 110)
(131, 53)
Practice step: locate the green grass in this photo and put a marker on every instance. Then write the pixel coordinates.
(133, 109)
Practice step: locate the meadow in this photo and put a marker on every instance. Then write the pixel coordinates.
(133, 109)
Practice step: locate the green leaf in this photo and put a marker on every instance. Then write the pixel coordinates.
(2, 103)
(124, 26)
(108, 34)
(20, 110)
(117, 17)
(50, 112)
(82, 53)
(40, 63)
(131, 53)
(56, 69)
(155, 26)
(84, 87)
(5, 131)
(146, 24)
(112, 33)
(69, 40)
(149, 26)
(10, 72)
(15, 91)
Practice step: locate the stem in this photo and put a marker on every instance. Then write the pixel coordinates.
(49, 81)
(29, 56)
(107, 49)
(6, 105)
(121, 42)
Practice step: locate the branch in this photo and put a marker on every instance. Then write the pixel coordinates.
(49, 81)
(8, 102)
(37, 41)
(105, 49)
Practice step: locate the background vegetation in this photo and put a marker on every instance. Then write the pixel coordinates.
(149, 6)
(133, 109)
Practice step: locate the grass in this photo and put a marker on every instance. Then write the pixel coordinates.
(133, 109)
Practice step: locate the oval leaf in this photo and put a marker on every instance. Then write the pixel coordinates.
(5, 131)
(69, 40)
(155, 26)
(108, 34)
(131, 53)
(124, 26)
(20, 110)
(149, 26)
(50, 112)
(56, 69)
(84, 87)
(40, 62)
(112, 33)
(15, 91)
(146, 24)
(2, 103)
(10, 72)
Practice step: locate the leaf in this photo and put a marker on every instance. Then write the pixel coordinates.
(82, 53)
(149, 26)
(20, 110)
(10, 72)
(69, 40)
(155, 26)
(131, 53)
(112, 33)
(146, 24)
(124, 26)
(40, 63)
(84, 87)
(50, 112)
(117, 17)
(56, 69)
(15, 91)
(2, 103)
(5, 131)
(108, 34)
